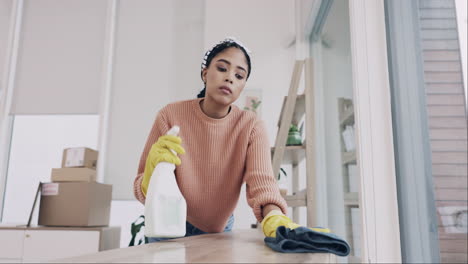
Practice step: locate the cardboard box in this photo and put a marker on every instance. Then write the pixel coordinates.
(73, 175)
(75, 204)
(79, 157)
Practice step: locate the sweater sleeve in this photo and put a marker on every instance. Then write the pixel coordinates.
(160, 126)
(262, 188)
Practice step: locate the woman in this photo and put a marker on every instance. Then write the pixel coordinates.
(222, 148)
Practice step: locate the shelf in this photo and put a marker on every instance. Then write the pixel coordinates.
(346, 112)
(299, 109)
(351, 198)
(296, 200)
(293, 111)
(292, 154)
(348, 157)
(347, 118)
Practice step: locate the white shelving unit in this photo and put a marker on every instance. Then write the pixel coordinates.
(295, 107)
(350, 189)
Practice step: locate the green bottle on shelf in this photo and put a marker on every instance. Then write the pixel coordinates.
(294, 136)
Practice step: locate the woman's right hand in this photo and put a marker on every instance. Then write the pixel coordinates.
(161, 151)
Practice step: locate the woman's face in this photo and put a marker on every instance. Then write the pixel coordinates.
(226, 76)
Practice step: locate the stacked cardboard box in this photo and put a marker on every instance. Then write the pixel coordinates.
(74, 198)
(78, 164)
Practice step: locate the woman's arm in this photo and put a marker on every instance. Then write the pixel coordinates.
(268, 208)
(261, 188)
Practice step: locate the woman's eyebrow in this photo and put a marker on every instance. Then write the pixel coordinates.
(225, 61)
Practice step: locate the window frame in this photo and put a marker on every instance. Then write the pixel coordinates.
(6, 95)
(8, 84)
(373, 122)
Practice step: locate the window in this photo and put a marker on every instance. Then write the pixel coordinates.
(36, 147)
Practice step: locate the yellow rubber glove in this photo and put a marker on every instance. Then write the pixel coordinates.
(161, 151)
(276, 218)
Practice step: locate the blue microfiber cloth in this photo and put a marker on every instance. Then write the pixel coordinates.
(305, 240)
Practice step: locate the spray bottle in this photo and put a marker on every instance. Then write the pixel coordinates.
(165, 207)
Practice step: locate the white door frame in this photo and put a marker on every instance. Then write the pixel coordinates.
(376, 158)
(373, 124)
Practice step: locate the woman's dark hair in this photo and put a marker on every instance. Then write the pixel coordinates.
(209, 55)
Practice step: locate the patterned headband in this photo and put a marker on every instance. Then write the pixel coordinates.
(226, 40)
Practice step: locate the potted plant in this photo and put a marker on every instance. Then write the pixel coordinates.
(254, 105)
(136, 230)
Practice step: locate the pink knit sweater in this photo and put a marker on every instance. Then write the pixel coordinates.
(221, 154)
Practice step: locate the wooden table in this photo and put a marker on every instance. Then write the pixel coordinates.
(231, 247)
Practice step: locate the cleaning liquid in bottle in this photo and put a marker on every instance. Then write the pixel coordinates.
(165, 207)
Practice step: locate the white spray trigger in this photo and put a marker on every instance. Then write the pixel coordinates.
(174, 131)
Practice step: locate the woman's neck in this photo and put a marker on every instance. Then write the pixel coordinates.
(214, 110)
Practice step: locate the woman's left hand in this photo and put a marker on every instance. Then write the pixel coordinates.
(276, 218)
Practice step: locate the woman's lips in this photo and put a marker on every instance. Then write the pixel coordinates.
(225, 89)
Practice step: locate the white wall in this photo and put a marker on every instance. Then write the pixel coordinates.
(266, 27)
(60, 55)
(140, 86)
(158, 50)
(189, 38)
(5, 14)
(158, 47)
